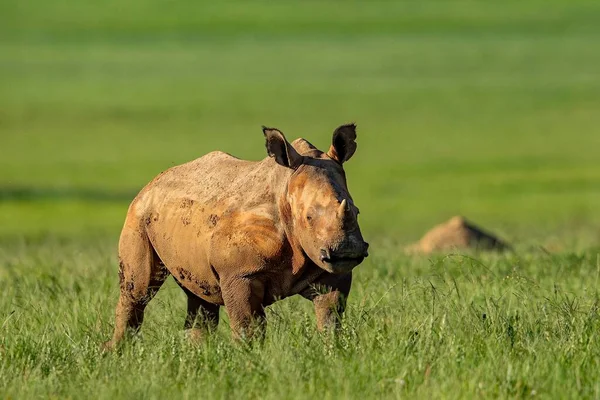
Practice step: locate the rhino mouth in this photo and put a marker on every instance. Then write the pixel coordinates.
(342, 258)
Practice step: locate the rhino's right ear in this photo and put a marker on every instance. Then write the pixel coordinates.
(343, 145)
(280, 149)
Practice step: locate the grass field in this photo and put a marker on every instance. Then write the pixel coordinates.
(486, 109)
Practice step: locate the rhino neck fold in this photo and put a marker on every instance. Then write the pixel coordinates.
(299, 258)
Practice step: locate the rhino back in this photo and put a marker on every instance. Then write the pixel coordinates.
(186, 208)
(215, 179)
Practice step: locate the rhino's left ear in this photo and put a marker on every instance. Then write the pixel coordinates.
(343, 145)
(280, 149)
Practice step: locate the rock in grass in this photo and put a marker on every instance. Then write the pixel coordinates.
(457, 233)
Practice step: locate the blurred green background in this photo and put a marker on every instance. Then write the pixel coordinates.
(486, 109)
(490, 109)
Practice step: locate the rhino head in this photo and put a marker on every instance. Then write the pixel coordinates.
(323, 217)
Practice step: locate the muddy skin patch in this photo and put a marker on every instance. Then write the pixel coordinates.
(150, 218)
(181, 273)
(212, 220)
(187, 203)
(121, 273)
(186, 220)
(130, 286)
(207, 289)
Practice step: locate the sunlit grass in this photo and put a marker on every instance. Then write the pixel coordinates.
(489, 325)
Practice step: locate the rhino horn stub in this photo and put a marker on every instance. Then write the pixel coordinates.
(343, 208)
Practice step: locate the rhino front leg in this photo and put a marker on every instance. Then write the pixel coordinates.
(329, 296)
(243, 301)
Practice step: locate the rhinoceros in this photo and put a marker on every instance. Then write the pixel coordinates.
(244, 234)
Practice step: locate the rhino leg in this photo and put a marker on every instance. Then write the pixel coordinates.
(243, 301)
(329, 295)
(202, 316)
(141, 274)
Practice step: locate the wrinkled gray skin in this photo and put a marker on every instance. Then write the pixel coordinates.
(244, 234)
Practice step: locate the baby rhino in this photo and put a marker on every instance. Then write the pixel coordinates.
(243, 234)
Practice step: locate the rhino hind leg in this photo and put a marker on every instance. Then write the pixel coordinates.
(141, 274)
(202, 317)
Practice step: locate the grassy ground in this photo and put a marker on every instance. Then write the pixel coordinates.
(488, 109)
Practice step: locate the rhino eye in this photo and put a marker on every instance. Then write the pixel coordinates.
(309, 217)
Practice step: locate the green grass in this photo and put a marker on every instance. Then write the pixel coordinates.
(487, 109)
(502, 326)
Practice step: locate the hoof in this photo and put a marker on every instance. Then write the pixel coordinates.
(107, 347)
(195, 336)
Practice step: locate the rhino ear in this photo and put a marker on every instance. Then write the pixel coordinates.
(280, 149)
(343, 144)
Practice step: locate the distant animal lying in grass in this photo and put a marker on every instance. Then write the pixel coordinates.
(457, 233)
(243, 234)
